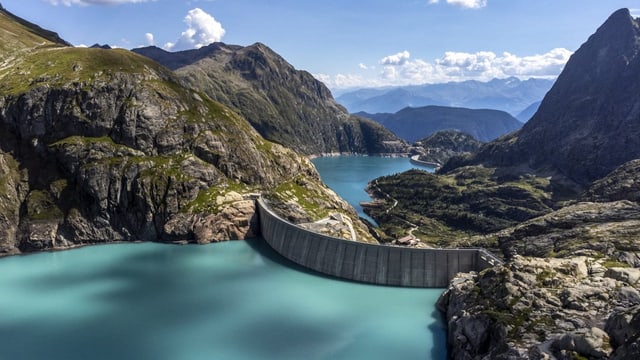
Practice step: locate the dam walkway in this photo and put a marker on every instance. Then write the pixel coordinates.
(369, 263)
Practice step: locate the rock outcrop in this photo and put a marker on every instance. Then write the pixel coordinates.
(621, 184)
(604, 229)
(285, 105)
(544, 309)
(100, 145)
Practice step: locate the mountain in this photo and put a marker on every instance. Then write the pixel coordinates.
(510, 95)
(412, 124)
(589, 122)
(21, 35)
(442, 145)
(528, 113)
(285, 105)
(101, 145)
(559, 200)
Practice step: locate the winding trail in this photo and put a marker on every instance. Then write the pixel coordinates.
(413, 226)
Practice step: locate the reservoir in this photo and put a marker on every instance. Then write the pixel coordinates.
(348, 175)
(232, 300)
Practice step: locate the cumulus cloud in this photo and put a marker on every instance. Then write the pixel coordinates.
(400, 69)
(202, 29)
(150, 39)
(396, 59)
(467, 4)
(94, 2)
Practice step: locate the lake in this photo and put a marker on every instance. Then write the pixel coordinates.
(232, 300)
(348, 175)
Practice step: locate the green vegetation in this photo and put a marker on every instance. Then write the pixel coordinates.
(17, 36)
(304, 193)
(60, 66)
(42, 206)
(468, 201)
(206, 201)
(610, 263)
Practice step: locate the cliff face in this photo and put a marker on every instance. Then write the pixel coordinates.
(106, 145)
(586, 304)
(589, 122)
(578, 308)
(285, 105)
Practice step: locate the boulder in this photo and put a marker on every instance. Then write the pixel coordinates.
(592, 343)
(627, 275)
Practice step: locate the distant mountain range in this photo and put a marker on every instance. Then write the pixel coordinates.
(511, 95)
(412, 124)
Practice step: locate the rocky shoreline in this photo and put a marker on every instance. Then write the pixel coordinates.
(533, 308)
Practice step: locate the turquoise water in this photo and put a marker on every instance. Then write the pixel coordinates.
(348, 175)
(234, 300)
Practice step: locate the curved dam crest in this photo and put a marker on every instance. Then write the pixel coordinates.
(368, 263)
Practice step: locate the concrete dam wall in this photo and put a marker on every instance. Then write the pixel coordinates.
(369, 263)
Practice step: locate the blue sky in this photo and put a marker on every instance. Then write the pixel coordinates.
(348, 43)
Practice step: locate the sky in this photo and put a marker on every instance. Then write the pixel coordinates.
(348, 43)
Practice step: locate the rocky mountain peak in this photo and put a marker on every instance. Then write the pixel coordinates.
(589, 122)
(286, 105)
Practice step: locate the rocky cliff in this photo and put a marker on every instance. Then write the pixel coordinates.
(576, 294)
(576, 308)
(285, 105)
(589, 122)
(104, 145)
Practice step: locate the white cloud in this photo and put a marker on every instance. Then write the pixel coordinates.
(396, 59)
(95, 2)
(635, 12)
(202, 29)
(399, 69)
(342, 81)
(150, 39)
(363, 66)
(466, 4)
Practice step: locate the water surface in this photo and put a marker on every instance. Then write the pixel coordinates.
(349, 175)
(233, 300)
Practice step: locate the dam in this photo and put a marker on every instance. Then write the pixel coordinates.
(368, 263)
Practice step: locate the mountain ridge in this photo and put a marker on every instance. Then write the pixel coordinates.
(412, 124)
(578, 122)
(509, 94)
(285, 105)
(101, 145)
